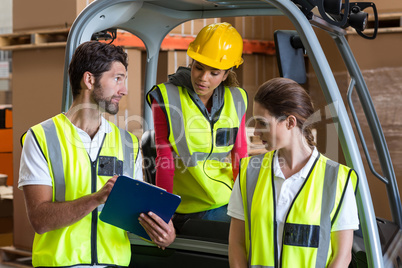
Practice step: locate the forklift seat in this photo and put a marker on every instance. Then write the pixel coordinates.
(149, 154)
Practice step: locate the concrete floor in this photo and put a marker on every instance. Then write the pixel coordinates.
(19, 264)
(6, 240)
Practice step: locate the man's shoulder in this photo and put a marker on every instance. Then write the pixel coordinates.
(48, 120)
(39, 127)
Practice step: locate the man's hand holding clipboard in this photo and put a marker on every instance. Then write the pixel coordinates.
(141, 208)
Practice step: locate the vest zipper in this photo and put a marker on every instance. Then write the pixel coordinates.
(212, 148)
(276, 264)
(212, 121)
(94, 220)
(291, 205)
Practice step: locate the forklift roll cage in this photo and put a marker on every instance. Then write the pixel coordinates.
(152, 20)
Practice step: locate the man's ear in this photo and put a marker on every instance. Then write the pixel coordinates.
(88, 79)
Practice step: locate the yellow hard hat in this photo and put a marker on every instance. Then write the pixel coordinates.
(217, 45)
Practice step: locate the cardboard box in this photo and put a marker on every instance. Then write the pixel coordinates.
(381, 69)
(6, 239)
(6, 97)
(6, 138)
(248, 27)
(383, 51)
(9, 118)
(4, 68)
(259, 27)
(6, 209)
(255, 70)
(384, 84)
(23, 233)
(168, 63)
(6, 167)
(386, 6)
(175, 59)
(37, 89)
(6, 223)
(42, 14)
(6, 117)
(193, 27)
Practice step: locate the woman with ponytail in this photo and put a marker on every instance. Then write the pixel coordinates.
(292, 206)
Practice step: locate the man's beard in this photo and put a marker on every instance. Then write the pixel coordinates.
(105, 104)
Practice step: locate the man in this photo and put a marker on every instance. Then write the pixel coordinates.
(70, 163)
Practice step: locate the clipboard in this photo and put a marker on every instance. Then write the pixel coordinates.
(129, 198)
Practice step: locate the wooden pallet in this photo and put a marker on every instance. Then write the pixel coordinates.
(388, 20)
(15, 257)
(34, 39)
(58, 38)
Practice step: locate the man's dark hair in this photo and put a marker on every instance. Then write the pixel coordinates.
(96, 58)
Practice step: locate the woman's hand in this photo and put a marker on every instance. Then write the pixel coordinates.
(161, 233)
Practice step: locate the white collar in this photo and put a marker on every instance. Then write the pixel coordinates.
(303, 173)
(105, 127)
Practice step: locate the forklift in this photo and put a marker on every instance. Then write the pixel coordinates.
(378, 242)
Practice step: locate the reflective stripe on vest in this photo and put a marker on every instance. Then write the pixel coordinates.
(88, 240)
(203, 175)
(52, 141)
(307, 230)
(57, 161)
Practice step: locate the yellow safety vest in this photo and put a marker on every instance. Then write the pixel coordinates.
(307, 230)
(203, 176)
(88, 241)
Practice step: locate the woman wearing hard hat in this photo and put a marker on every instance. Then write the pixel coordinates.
(199, 119)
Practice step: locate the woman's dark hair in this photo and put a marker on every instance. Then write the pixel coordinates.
(231, 80)
(96, 58)
(283, 97)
